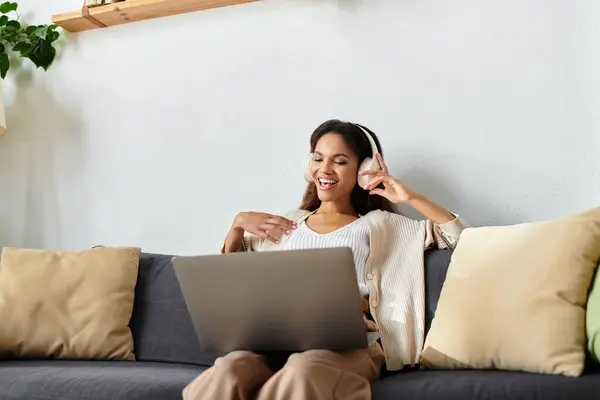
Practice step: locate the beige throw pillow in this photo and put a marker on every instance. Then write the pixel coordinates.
(67, 304)
(515, 298)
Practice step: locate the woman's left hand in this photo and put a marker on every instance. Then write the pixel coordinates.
(393, 190)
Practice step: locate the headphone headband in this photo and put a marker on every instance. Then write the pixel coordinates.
(374, 149)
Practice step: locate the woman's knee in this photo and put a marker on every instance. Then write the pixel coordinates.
(320, 374)
(239, 362)
(305, 364)
(237, 372)
(365, 362)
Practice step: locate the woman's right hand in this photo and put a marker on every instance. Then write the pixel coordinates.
(264, 225)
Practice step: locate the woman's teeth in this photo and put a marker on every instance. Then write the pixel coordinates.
(326, 183)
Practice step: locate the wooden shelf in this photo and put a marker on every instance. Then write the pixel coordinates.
(135, 10)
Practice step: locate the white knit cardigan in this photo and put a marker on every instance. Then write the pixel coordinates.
(394, 273)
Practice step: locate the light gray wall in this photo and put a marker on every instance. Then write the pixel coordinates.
(156, 133)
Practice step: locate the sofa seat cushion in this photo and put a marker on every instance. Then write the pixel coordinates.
(489, 385)
(90, 380)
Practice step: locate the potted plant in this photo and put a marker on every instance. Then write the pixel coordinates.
(33, 42)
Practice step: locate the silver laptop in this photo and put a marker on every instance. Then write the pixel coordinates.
(281, 301)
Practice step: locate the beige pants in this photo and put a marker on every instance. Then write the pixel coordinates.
(312, 375)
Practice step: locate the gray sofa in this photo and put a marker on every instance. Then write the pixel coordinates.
(169, 356)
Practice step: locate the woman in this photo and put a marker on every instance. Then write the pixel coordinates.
(388, 252)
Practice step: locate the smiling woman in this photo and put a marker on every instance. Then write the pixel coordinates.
(348, 203)
(337, 150)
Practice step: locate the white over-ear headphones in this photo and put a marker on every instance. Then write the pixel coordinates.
(370, 163)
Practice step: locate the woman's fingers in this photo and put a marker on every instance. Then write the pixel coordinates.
(266, 236)
(374, 182)
(273, 228)
(379, 192)
(371, 326)
(263, 234)
(373, 172)
(270, 227)
(382, 164)
(377, 172)
(281, 221)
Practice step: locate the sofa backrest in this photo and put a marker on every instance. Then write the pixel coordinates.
(162, 328)
(161, 325)
(436, 267)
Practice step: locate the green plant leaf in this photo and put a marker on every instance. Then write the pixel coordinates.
(34, 42)
(10, 37)
(42, 53)
(53, 36)
(11, 32)
(4, 65)
(7, 7)
(23, 48)
(41, 32)
(13, 25)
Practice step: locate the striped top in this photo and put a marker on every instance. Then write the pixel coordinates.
(354, 235)
(395, 276)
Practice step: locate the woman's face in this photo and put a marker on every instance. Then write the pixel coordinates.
(334, 168)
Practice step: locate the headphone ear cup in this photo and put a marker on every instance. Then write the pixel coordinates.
(368, 164)
(306, 168)
(363, 180)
